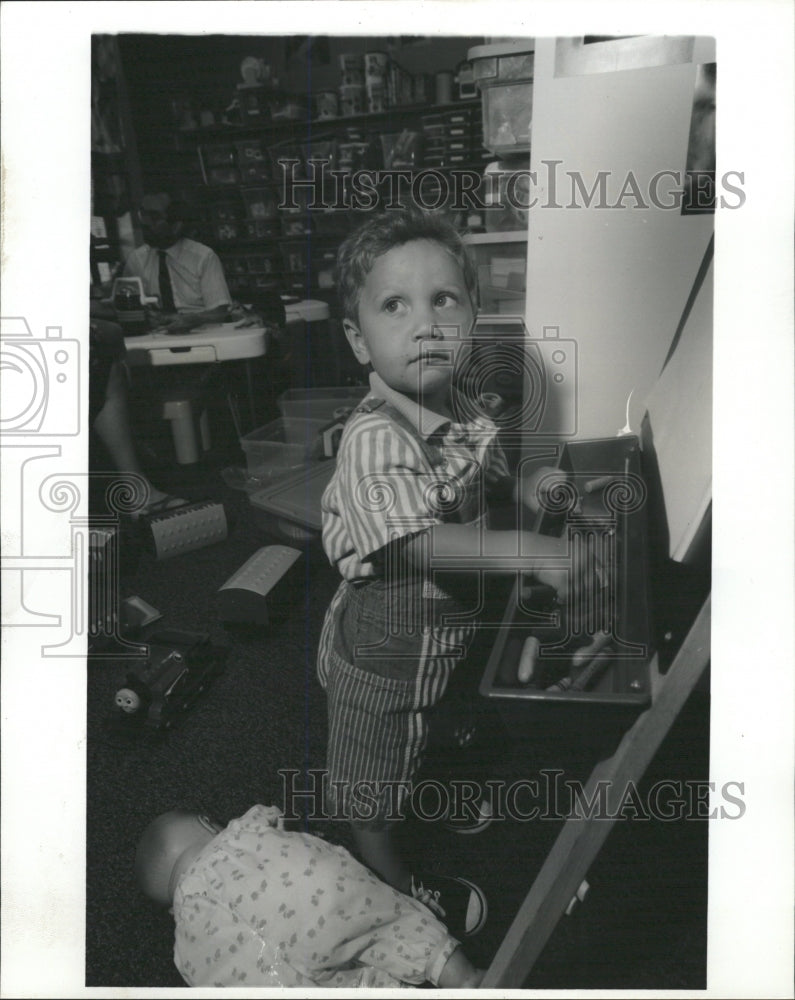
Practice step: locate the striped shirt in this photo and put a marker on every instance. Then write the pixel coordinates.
(197, 277)
(385, 487)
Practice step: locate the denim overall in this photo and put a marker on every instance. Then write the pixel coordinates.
(387, 651)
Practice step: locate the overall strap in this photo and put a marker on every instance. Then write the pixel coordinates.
(432, 452)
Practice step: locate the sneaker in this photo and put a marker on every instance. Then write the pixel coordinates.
(474, 818)
(457, 902)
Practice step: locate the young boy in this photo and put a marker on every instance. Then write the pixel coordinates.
(407, 493)
(257, 905)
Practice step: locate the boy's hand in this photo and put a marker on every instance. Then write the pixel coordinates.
(539, 489)
(555, 570)
(577, 580)
(557, 578)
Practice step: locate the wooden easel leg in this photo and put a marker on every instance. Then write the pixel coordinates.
(582, 838)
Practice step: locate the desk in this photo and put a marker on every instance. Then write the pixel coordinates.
(214, 344)
(207, 344)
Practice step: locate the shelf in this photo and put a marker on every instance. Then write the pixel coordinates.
(317, 125)
(506, 236)
(222, 246)
(476, 164)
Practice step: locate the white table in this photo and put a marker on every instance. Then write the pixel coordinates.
(207, 344)
(212, 344)
(216, 343)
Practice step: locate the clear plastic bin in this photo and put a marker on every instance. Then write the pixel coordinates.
(504, 74)
(320, 404)
(501, 266)
(283, 444)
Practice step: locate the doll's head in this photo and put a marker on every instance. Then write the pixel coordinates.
(166, 848)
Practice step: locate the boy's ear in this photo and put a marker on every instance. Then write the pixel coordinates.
(356, 340)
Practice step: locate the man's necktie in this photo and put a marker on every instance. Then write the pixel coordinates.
(166, 291)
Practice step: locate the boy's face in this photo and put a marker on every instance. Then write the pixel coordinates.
(414, 313)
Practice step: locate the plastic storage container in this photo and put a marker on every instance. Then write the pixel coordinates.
(282, 445)
(321, 405)
(290, 507)
(504, 74)
(501, 266)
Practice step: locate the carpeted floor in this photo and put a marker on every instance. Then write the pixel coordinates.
(642, 925)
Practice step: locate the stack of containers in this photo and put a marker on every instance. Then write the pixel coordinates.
(351, 84)
(452, 138)
(504, 75)
(247, 209)
(376, 67)
(227, 219)
(259, 194)
(288, 161)
(400, 86)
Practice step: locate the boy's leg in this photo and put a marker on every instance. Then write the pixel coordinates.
(459, 903)
(379, 850)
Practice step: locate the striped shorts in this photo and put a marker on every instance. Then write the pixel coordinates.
(385, 658)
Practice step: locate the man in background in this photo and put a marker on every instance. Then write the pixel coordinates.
(186, 276)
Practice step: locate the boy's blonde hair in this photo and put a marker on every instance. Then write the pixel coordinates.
(384, 232)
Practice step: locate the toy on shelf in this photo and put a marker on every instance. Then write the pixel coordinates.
(241, 599)
(177, 668)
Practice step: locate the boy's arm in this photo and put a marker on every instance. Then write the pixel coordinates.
(471, 546)
(530, 490)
